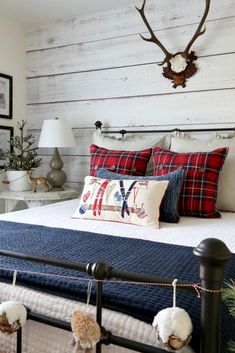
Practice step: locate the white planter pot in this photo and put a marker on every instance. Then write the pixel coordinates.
(18, 180)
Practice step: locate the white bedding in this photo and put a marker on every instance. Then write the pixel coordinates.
(189, 232)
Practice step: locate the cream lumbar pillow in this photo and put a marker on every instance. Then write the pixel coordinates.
(127, 201)
(226, 190)
(131, 142)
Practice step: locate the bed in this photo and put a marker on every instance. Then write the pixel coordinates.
(36, 338)
(51, 234)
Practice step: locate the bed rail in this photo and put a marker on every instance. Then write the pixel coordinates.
(213, 255)
(98, 125)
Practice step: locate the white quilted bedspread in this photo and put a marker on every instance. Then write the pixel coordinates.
(43, 339)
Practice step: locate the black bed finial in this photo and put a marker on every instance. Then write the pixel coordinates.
(99, 270)
(123, 132)
(177, 130)
(98, 125)
(213, 254)
(212, 249)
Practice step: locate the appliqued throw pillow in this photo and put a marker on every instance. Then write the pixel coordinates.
(127, 201)
(226, 190)
(169, 205)
(122, 162)
(202, 170)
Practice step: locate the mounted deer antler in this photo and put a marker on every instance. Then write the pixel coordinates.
(153, 38)
(181, 65)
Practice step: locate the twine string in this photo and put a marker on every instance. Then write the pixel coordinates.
(89, 287)
(13, 284)
(198, 290)
(197, 286)
(174, 283)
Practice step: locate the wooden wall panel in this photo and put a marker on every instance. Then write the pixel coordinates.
(96, 67)
(194, 108)
(118, 52)
(142, 80)
(123, 22)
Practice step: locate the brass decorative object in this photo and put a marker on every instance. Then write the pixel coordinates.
(180, 66)
(38, 181)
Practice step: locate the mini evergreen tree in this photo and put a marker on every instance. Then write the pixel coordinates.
(23, 155)
(229, 298)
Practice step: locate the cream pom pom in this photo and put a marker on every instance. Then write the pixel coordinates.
(174, 327)
(12, 316)
(86, 332)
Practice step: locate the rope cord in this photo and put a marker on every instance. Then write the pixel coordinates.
(13, 284)
(197, 287)
(174, 283)
(89, 288)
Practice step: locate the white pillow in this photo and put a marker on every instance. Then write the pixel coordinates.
(126, 201)
(226, 190)
(134, 142)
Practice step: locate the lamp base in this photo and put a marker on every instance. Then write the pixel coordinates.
(56, 177)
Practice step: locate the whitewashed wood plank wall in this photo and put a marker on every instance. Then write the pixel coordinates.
(96, 67)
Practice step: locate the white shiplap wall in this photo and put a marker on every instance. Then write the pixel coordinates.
(96, 67)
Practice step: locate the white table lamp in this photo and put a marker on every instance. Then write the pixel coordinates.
(58, 134)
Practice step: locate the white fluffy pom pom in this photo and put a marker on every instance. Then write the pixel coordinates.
(12, 316)
(174, 327)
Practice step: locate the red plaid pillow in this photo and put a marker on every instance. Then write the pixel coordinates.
(202, 170)
(122, 162)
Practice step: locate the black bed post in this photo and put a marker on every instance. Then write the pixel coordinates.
(19, 340)
(100, 272)
(213, 254)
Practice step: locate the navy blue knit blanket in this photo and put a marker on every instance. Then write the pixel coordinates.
(139, 301)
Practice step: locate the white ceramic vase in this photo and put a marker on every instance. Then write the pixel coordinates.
(18, 180)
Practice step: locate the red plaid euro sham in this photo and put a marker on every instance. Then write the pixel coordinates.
(202, 170)
(122, 162)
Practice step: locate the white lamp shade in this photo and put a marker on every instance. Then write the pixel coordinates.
(56, 133)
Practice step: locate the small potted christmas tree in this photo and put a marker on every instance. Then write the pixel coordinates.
(21, 158)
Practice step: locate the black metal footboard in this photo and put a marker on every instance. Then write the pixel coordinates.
(213, 255)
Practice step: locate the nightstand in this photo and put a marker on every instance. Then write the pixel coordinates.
(36, 199)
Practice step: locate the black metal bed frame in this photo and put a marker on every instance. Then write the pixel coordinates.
(213, 255)
(99, 124)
